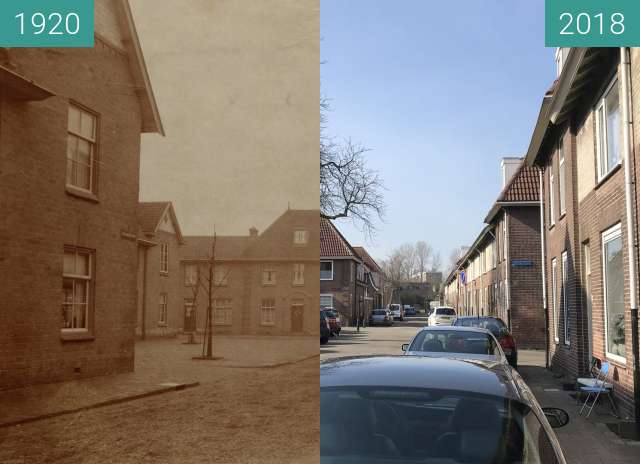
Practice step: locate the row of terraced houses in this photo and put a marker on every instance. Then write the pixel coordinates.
(581, 266)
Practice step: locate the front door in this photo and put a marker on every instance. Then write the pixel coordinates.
(297, 317)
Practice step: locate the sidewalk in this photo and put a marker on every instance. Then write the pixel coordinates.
(584, 441)
(162, 365)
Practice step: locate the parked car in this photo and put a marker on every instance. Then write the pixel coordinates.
(409, 310)
(396, 311)
(413, 409)
(498, 328)
(380, 317)
(333, 317)
(442, 316)
(472, 343)
(325, 330)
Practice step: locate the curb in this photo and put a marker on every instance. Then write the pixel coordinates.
(123, 399)
(271, 366)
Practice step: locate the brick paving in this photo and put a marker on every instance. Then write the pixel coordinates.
(236, 415)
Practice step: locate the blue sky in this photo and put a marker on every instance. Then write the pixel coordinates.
(440, 92)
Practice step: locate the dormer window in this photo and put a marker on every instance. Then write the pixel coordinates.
(300, 237)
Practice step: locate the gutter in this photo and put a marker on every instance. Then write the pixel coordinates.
(569, 73)
(627, 149)
(544, 270)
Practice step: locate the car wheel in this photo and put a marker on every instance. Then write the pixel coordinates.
(324, 340)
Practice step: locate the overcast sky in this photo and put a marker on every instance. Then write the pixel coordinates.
(237, 85)
(439, 91)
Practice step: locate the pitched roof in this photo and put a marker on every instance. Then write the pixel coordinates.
(367, 259)
(522, 188)
(151, 213)
(332, 243)
(151, 121)
(228, 247)
(276, 241)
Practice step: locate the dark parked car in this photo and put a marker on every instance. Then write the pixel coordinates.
(409, 310)
(469, 343)
(413, 409)
(498, 328)
(325, 330)
(335, 323)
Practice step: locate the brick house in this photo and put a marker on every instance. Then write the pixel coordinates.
(342, 275)
(160, 282)
(372, 296)
(70, 125)
(500, 274)
(264, 284)
(590, 201)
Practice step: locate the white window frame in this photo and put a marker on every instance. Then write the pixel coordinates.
(609, 235)
(164, 258)
(163, 302)
(554, 298)
(221, 275)
(88, 282)
(300, 237)
(298, 274)
(565, 298)
(552, 199)
(562, 182)
(222, 311)
(268, 312)
(602, 133)
(268, 276)
(326, 261)
(190, 278)
(326, 295)
(92, 141)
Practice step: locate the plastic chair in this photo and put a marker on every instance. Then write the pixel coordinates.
(600, 387)
(590, 381)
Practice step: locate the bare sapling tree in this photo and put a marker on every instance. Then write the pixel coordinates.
(209, 280)
(348, 188)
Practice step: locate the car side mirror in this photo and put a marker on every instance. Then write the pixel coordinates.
(405, 346)
(557, 417)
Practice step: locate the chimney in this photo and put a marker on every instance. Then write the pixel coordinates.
(508, 167)
(253, 232)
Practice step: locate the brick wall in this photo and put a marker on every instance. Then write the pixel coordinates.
(40, 218)
(342, 287)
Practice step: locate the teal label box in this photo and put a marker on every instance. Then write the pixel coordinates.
(592, 23)
(46, 23)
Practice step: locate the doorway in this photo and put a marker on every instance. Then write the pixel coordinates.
(297, 317)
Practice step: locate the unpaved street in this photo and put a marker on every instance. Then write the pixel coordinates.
(235, 416)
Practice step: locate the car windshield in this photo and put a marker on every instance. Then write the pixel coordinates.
(455, 341)
(330, 313)
(401, 425)
(494, 325)
(445, 312)
(379, 312)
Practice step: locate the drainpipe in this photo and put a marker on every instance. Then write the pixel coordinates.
(543, 271)
(627, 149)
(143, 329)
(508, 271)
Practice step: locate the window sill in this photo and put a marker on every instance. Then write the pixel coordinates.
(326, 279)
(164, 274)
(298, 285)
(562, 215)
(76, 336)
(616, 360)
(162, 324)
(222, 324)
(81, 193)
(607, 176)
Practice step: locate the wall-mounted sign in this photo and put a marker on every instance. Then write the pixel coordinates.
(521, 263)
(463, 277)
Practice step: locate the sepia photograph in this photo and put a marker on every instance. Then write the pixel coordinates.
(159, 247)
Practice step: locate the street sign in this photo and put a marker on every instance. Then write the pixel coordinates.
(463, 277)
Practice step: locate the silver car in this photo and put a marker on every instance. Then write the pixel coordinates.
(380, 317)
(468, 343)
(442, 316)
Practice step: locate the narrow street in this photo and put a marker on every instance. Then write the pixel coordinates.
(584, 441)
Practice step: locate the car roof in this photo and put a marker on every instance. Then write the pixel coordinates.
(473, 376)
(480, 317)
(454, 328)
